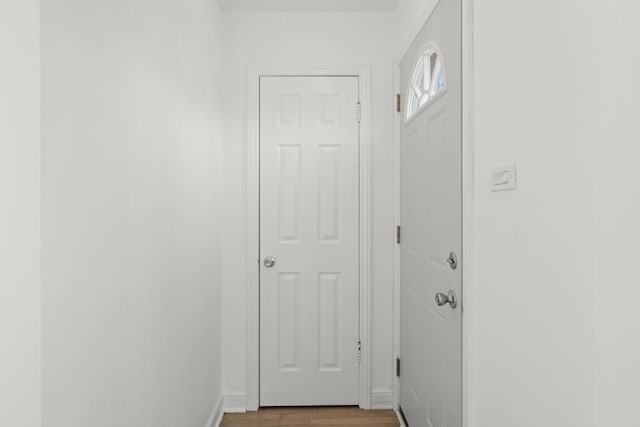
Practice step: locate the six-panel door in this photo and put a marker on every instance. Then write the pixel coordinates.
(309, 226)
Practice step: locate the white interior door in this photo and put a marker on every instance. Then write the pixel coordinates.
(309, 281)
(431, 220)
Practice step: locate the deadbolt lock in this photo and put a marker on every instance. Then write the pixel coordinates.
(452, 260)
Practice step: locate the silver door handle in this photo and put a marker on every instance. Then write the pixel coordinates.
(269, 261)
(443, 299)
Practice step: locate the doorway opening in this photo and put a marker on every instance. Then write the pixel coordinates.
(430, 362)
(337, 347)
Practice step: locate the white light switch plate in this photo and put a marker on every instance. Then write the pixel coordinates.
(503, 178)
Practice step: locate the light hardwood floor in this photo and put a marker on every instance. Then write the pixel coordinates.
(339, 416)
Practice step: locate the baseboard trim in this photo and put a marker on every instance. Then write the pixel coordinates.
(237, 403)
(216, 415)
(382, 398)
(234, 403)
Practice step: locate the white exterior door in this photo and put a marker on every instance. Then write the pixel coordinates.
(431, 221)
(309, 225)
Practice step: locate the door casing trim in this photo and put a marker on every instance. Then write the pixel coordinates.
(254, 72)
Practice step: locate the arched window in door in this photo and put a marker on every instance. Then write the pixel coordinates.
(429, 80)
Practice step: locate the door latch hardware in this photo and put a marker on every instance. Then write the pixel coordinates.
(450, 298)
(269, 261)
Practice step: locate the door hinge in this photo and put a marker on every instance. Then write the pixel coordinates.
(359, 112)
(398, 234)
(359, 350)
(398, 102)
(398, 367)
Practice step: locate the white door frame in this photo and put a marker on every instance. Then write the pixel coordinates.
(468, 179)
(254, 72)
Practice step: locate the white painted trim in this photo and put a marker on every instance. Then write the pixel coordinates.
(468, 215)
(216, 414)
(397, 123)
(253, 236)
(254, 72)
(382, 398)
(468, 212)
(235, 403)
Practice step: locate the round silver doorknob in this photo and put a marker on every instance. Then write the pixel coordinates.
(443, 299)
(269, 261)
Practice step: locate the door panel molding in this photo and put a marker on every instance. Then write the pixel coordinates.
(254, 72)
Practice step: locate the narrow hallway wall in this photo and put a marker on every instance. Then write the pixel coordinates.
(20, 316)
(131, 161)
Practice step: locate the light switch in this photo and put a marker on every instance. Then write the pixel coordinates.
(503, 178)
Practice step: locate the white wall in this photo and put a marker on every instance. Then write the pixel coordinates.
(330, 38)
(409, 19)
(20, 332)
(534, 252)
(131, 166)
(617, 229)
(555, 327)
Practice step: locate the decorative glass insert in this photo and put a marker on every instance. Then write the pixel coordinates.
(428, 80)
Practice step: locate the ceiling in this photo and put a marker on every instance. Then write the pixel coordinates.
(383, 6)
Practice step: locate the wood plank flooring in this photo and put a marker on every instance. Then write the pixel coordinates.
(338, 416)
